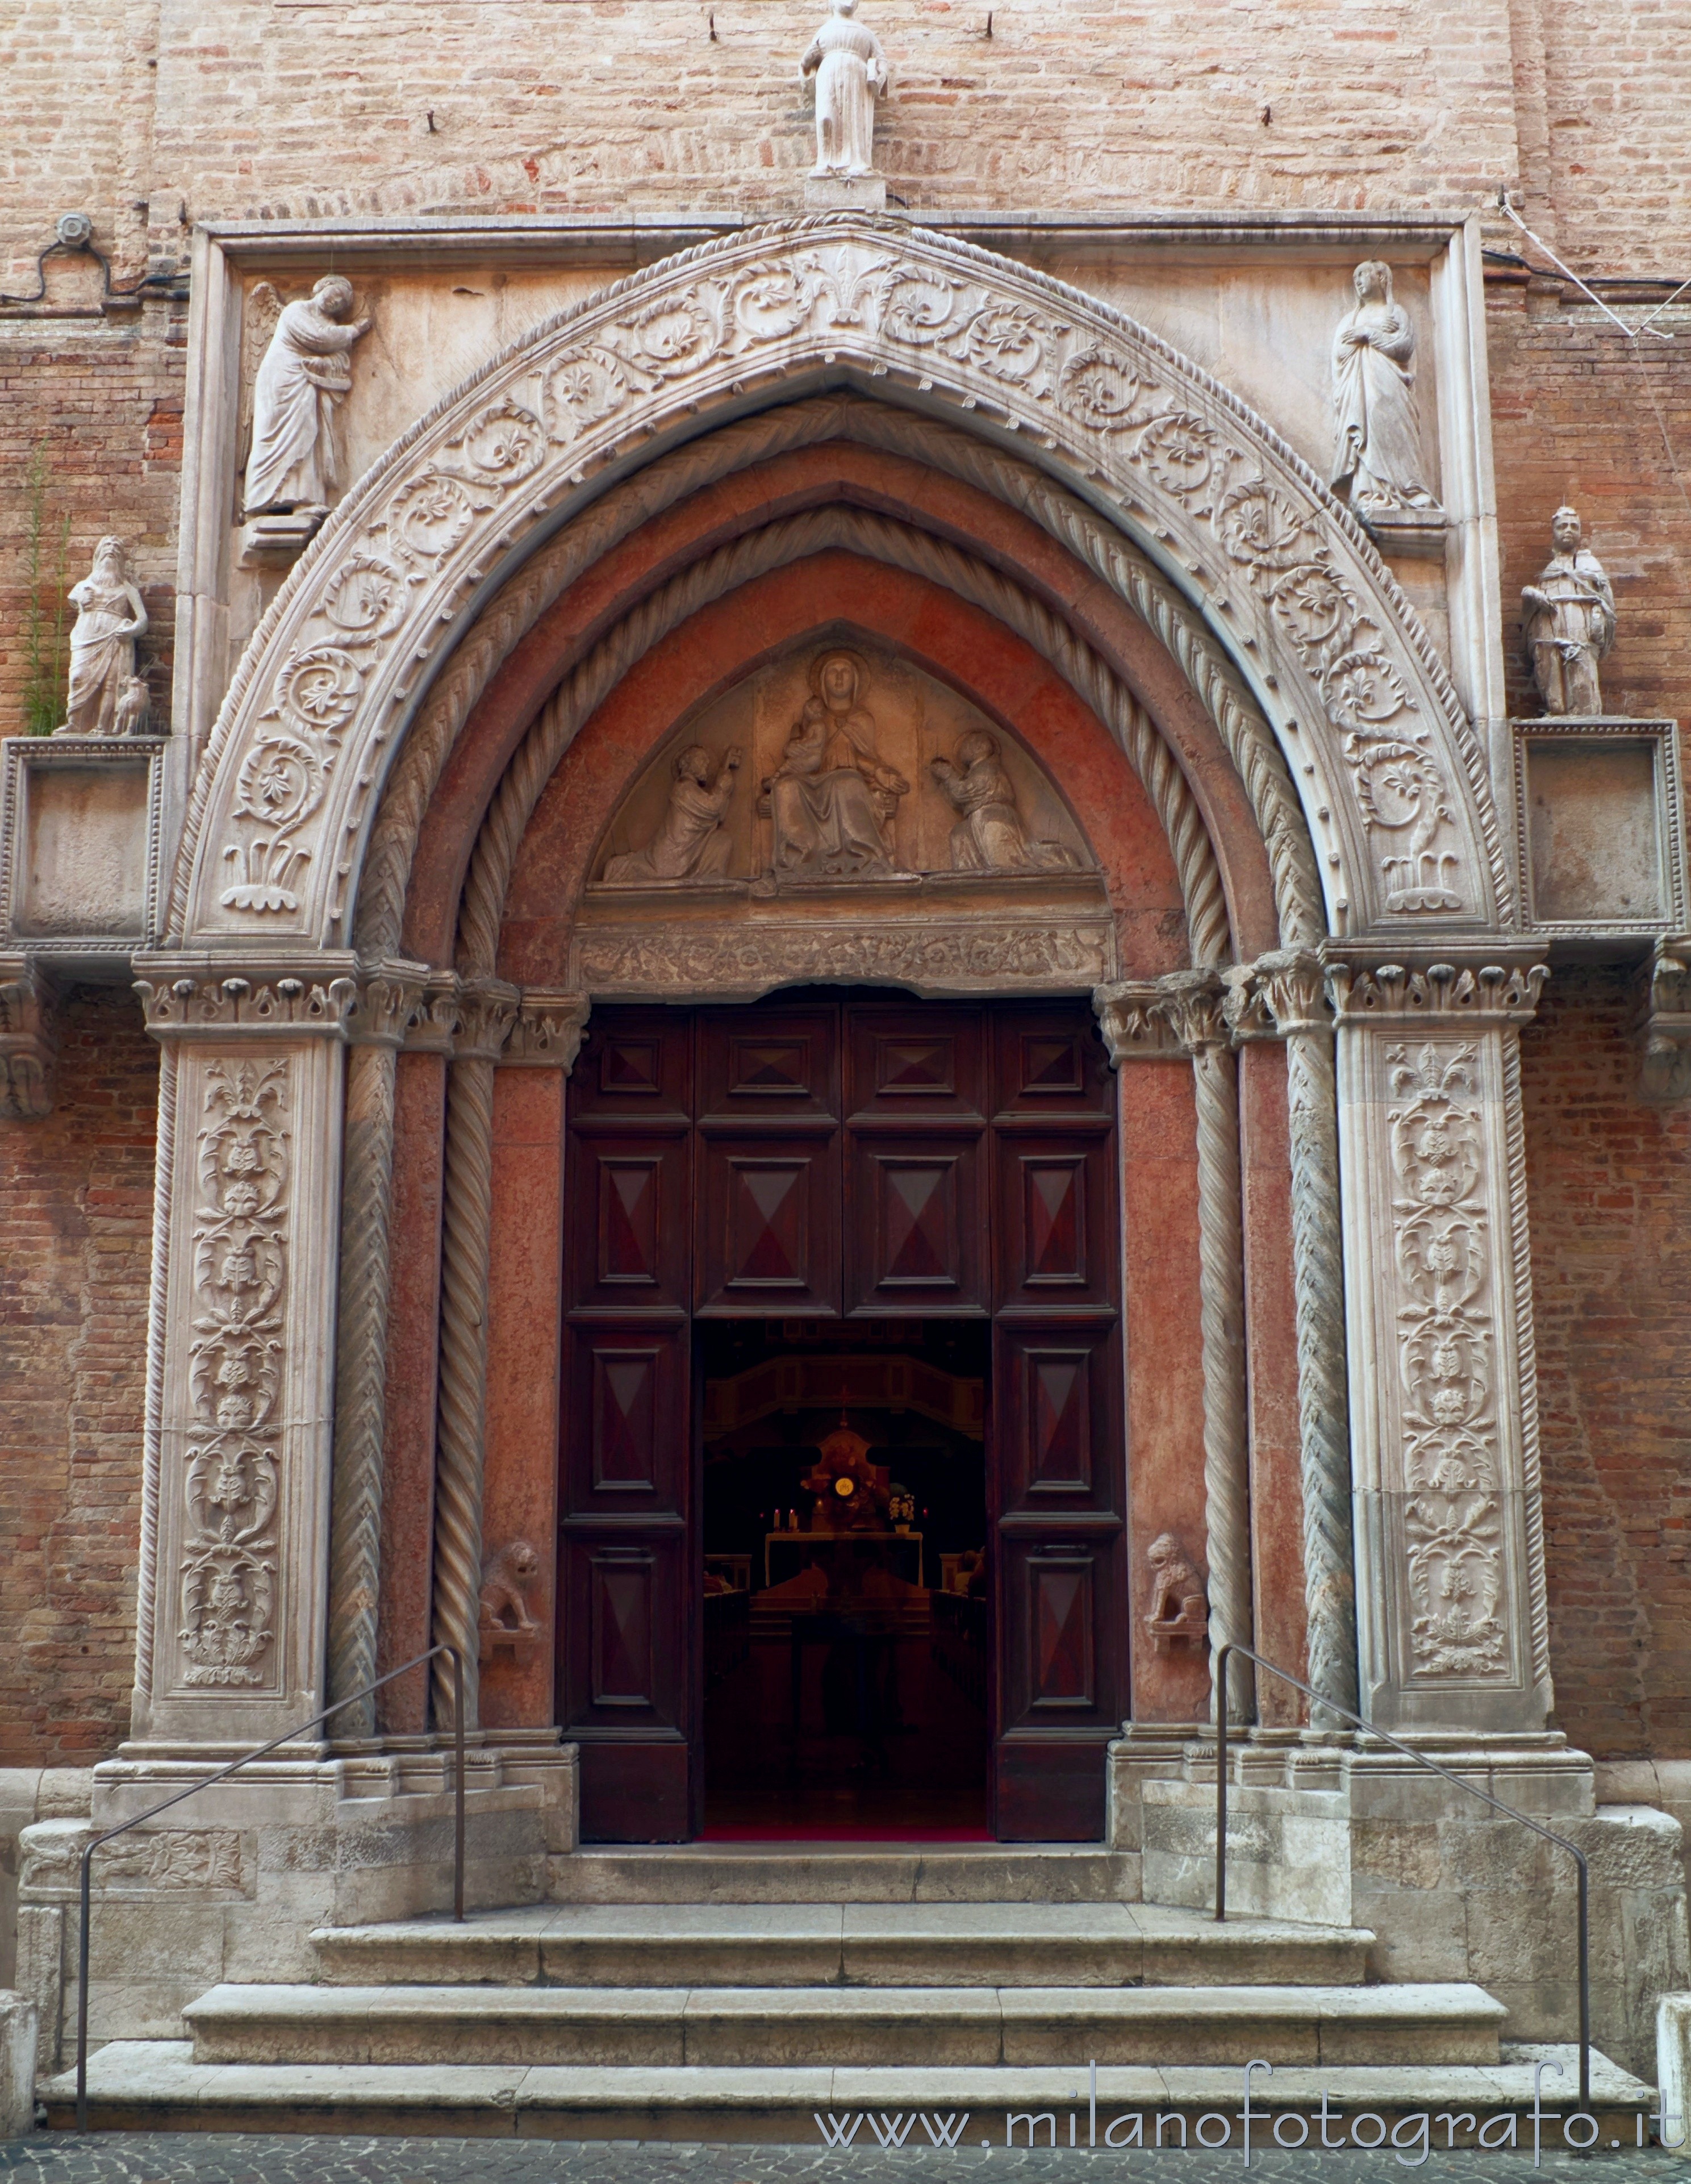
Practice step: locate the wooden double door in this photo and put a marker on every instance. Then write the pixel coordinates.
(836, 1158)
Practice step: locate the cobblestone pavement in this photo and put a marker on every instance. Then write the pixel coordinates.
(193, 2157)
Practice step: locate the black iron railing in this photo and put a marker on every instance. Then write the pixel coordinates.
(222, 1775)
(1224, 1653)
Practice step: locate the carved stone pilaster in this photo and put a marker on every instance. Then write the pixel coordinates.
(1665, 1024)
(485, 1012)
(1452, 1623)
(28, 1040)
(1283, 995)
(389, 999)
(546, 1032)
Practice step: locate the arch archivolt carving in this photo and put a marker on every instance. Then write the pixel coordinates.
(1314, 624)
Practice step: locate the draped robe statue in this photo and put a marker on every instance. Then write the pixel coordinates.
(832, 799)
(103, 699)
(1378, 462)
(851, 73)
(304, 376)
(690, 842)
(1569, 622)
(989, 836)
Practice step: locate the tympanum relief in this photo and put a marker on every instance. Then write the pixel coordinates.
(842, 814)
(868, 770)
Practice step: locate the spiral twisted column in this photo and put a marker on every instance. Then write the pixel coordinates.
(1283, 995)
(1191, 1003)
(158, 1298)
(485, 1012)
(387, 1001)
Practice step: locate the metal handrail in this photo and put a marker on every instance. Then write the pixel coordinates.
(1224, 1653)
(222, 1775)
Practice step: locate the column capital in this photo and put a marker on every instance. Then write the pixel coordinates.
(486, 1009)
(547, 1033)
(1483, 995)
(1159, 1019)
(198, 996)
(29, 1039)
(1664, 1024)
(391, 993)
(1278, 995)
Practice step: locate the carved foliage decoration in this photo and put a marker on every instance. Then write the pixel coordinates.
(333, 656)
(1447, 1364)
(231, 1479)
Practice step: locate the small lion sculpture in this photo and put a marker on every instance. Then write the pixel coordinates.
(1179, 1608)
(506, 1578)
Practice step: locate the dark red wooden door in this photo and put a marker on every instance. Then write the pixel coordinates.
(627, 1503)
(1056, 1469)
(819, 1160)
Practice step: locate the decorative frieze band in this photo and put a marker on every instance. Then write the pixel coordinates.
(1441, 993)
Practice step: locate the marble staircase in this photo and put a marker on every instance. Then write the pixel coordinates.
(771, 1992)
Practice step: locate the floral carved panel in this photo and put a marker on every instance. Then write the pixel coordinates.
(1384, 754)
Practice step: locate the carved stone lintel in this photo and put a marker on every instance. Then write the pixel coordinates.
(546, 1034)
(1449, 994)
(1665, 1024)
(186, 997)
(28, 1040)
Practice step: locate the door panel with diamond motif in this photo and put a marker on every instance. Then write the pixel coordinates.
(837, 1159)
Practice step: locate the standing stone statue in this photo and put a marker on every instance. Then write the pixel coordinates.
(990, 837)
(1568, 623)
(1378, 462)
(305, 375)
(690, 842)
(102, 698)
(851, 73)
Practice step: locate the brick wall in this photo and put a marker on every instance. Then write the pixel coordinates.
(77, 1191)
(1610, 1185)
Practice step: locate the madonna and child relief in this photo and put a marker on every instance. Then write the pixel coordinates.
(832, 767)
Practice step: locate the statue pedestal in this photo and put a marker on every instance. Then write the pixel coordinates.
(844, 193)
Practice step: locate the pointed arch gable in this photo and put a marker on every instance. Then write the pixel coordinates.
(1391, 777)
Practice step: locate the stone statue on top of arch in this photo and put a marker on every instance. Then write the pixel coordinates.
(1378, 463)
(851, 74)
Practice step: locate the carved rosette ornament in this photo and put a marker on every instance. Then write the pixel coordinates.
(1440, 1301)
(278, 821)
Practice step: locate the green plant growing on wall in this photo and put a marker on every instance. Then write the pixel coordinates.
(44, 644)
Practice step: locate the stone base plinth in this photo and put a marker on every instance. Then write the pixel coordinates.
(230, 1884)
(1320, 1831)
(844, 193)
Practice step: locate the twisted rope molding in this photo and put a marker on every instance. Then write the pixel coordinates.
(1190, 1002)
(773, 547)
(158, 1291)
(467, 1216)
(1527, 1352)
(360, 1377)
(732, 447)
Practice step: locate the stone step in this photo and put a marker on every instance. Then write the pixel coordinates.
(934, 1945)
(157, 2086)
(845, 1873)
(754, 2028)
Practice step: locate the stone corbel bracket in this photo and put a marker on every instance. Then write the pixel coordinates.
(28, 1040)
(1664, 1023)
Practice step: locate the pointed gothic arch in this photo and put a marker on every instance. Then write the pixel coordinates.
(1280, 576)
